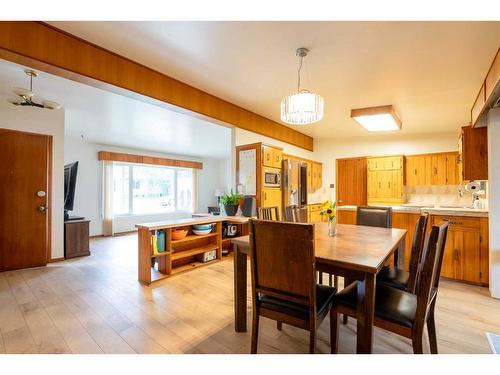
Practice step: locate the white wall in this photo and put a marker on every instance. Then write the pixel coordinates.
(327, 150)
(88, 200)
(43, 121)
(494, 201)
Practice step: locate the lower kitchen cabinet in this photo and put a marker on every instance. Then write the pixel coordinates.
(271, 197)
(346, 217)
(466, 252)
(313, 213)
(466, 255)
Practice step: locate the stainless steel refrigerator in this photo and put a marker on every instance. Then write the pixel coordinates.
(294, 182)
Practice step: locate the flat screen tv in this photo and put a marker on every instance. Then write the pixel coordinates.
(70, 172)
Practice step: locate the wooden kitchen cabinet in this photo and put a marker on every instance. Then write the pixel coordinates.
(346, 217)
(438, 172)
(317, 175)
(271, 197)
(313, 213)
(351, 181)
(473, 146)
(309, 176)
(432, 169)
(466, 252)
(385, 179)
(271, 156)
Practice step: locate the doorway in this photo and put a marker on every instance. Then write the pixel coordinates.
(25, 198)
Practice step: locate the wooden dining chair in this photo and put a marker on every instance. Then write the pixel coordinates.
(266, 213)
(294, 214)
(374, 216)
(283, 278)
(399, 311)
(401, 279)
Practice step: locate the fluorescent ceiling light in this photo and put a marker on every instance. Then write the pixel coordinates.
(377, 119)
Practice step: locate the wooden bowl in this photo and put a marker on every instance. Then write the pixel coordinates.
(179, 234)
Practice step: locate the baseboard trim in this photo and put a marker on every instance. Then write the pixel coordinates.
(54, 260)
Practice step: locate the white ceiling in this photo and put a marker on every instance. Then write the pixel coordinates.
(430, 71)
(107, 118)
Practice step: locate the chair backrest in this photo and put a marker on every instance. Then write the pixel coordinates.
(282, 261)
(417, 247)
(430, 268)
(294, 214)
(268, 213)
(374, 216)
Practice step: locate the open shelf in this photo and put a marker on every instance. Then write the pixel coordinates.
(195, 251)
(162, 254)
(194, 237)
(190, 266)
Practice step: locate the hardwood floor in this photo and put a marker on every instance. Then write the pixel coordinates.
(95, 305)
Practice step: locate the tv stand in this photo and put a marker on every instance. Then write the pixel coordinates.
(76, 237)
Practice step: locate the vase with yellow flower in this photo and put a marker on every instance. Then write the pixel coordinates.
(329, 209)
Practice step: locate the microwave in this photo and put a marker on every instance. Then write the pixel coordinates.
(272, 178)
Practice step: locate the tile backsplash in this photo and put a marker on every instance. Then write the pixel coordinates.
(438, 195)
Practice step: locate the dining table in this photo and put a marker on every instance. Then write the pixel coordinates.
(356, 252)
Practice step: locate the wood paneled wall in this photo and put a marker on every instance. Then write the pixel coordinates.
(46, 48)
(143, 159)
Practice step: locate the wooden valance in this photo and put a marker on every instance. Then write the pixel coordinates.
(143, 159)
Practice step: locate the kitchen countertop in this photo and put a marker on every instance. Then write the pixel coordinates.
(433, 210)
(196, 219)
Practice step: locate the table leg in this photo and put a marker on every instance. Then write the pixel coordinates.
(365, 314)
(240, 290)
(399, 254)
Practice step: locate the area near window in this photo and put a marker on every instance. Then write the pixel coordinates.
(146, 189)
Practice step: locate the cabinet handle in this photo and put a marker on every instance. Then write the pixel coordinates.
(265, 195)
(379, 185)
(389, 184)
(435, 171)
(415, 170)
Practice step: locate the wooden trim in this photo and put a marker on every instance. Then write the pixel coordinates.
(54, 51)
(54, 260)
(49, 197)
(143, 159)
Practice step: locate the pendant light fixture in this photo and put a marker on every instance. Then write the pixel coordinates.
(302, 107)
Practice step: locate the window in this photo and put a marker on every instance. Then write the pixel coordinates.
(145, 189)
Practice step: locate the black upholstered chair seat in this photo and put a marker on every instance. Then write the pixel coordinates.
(324, 297)
(391, 304)
(395, 277)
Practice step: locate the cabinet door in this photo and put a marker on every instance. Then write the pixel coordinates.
(317, 178)
(411, 170)
(342, 185)
(267, 156)
(373, 185)
(385, 184)
(452, 169)
(396, 184)
(438, 169)
(271, 198)
(309, 177)
(277, 157)
(462, 257)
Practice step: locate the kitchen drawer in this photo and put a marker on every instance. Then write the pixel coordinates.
(458, 222)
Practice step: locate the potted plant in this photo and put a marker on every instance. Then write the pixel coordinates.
(329, 209)
(230, 202)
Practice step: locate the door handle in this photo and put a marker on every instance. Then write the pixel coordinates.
(41, 208)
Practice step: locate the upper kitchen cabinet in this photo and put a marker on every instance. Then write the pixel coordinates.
(385, 179)
(432, 169)
(473, 146)
(317, 176)
(351, 181)
(271, 156)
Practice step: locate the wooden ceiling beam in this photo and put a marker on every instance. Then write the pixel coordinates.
(54, 51)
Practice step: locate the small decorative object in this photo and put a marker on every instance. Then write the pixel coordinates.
(329, 210)
(230, 202)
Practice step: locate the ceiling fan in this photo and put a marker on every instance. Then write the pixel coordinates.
(26, 96)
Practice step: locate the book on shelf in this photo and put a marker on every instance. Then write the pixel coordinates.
(154, 243)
